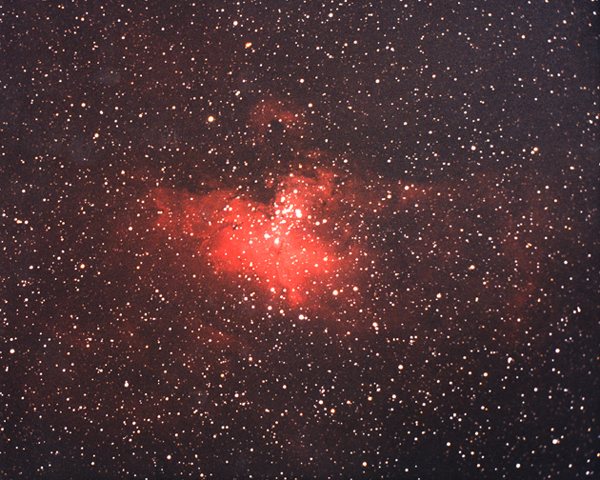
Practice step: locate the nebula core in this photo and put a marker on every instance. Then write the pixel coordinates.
(286, 247)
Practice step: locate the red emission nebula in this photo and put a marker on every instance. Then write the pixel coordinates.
(289, 248)
(341, 247)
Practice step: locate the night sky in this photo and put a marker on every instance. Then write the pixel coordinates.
(346, 240)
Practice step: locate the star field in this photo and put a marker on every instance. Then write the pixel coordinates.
(332, 240)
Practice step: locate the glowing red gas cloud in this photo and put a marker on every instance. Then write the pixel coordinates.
(343, 246)
(288, 247)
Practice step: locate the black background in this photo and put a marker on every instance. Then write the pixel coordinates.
(124, 356)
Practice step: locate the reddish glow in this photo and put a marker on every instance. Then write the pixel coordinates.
(329, 244)
(285, 247)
